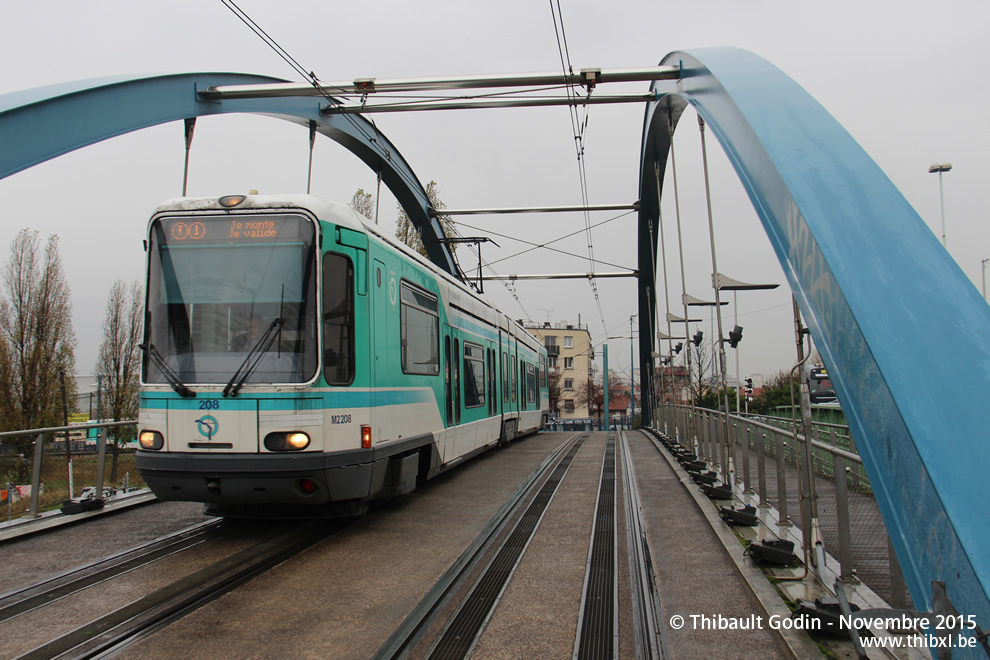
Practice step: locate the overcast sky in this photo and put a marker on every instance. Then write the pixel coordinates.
(899, 76)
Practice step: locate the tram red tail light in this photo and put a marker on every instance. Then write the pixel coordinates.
(308, 486)
(151, 440)
(365, 436)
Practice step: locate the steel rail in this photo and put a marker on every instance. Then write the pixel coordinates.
(415, 624)
(464, 629)
(648, 618)
(128, 624)
(597, 635)
(48, 590)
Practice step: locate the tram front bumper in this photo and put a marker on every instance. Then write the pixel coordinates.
(262, 479)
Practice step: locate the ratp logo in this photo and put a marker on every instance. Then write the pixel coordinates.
(208, 426)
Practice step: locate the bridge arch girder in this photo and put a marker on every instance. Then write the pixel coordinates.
(44, 123)
(874, 286)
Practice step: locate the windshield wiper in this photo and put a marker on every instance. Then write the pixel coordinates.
(170, 376)
(260, 348)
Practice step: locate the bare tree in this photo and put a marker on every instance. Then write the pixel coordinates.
(118, 364)
(36, 338)
(592, 393)
(364, 203)
(703, 381)
(555, 387)
(406, 231)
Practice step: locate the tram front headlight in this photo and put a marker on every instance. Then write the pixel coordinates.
(297, 440)
(151, 440)
(282, 441)
(230, 201)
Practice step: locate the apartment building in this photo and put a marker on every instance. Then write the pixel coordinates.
(570, 358)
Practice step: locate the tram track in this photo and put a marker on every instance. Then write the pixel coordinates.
(475, 615)
(533, 571)
(648, 620)
(117, 629)
(598, 621)
(450, 622)
(28, 598)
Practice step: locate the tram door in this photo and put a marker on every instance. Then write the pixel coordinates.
(382, 286)
(448, 379)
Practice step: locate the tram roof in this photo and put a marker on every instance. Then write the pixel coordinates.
(340, 214)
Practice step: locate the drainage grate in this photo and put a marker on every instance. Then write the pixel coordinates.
(597, 633)
(463, 631)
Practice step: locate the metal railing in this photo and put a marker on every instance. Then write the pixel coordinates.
(38, 461)
(616, 423)
(843, 505)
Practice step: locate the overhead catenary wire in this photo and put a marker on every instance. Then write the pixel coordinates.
(507, 280)
(547, 244)
(310, 76)
(578, 124)
(577, 128)
(509, 284)
(258, 30)
(410, 181)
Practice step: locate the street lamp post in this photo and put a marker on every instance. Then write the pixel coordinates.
(632, 372)
(940, 168)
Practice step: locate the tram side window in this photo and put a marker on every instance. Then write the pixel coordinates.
(505, 377)
(522, 381)
(420, 321)
(543, 373)
(515, 380)
(492, 384)
(474, 376)
(338, 319)
(530, 383)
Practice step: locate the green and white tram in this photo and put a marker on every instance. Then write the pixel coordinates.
(294, 355)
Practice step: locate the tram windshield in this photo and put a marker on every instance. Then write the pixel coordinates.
(217, 283)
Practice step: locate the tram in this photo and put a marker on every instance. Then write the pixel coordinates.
(297, 362)
(820, 385)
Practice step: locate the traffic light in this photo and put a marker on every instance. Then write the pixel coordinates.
(749, 386)
(697, 338)
(677, 349)
(735, 335)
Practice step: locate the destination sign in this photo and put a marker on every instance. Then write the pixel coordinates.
(235, 229)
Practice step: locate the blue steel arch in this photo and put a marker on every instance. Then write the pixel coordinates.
(902, 329)
(40, 124)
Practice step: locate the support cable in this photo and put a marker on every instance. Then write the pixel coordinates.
(726, 468)
(312, 143)
(692, 429)
(666, 289)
